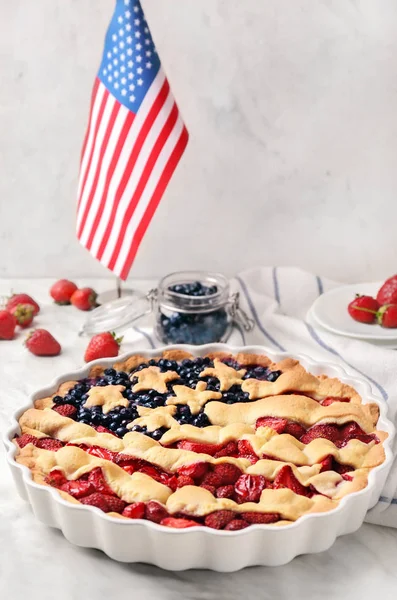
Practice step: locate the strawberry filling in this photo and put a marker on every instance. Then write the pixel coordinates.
(223, 480)
(340, 435)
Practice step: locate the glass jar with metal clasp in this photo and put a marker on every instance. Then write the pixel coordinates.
(188, 307)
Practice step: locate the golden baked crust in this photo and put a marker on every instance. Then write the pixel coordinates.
(293, 396)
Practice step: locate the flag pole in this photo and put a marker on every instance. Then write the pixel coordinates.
(114, 294)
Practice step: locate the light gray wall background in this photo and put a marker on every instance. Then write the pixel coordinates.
(292, 112)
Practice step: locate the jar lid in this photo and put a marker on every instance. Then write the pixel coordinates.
(117, 314)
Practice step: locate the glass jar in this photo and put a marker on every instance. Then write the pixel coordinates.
(189, 307)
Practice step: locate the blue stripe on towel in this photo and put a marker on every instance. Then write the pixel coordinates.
(145, 335)
(319, 285)
(276, 286)
(255, 315)
(320, 342)
(387, 501)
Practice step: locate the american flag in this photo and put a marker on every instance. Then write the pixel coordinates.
(134, 140)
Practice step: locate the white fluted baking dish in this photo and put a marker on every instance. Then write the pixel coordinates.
(202, 547)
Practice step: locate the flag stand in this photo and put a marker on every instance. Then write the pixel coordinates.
(115, 294)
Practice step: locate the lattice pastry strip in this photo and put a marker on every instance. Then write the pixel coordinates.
(281, 447)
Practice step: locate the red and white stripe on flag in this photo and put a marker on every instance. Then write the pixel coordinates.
(126, 163)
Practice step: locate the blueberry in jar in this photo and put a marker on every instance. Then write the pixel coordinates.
(192, 308)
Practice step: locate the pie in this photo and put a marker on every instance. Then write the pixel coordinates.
(223, 441)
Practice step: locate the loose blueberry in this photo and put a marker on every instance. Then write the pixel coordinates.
(121, 431)
(202, 420)
(157, 434)
(137, 428)
(273, 375)
(110, 372)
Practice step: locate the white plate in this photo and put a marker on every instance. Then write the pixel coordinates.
(389, 344)
(135, 540)
(330, 311)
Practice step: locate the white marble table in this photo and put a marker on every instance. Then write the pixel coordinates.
(37, 562)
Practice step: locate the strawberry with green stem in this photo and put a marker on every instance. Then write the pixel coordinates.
(103, 345)
(363, 309)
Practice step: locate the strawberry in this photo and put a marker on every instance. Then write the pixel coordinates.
(227, 474)
(208, 487)
(230, 449)
(102, 429)
(388, 292)
(115, 504)
(295, 430)
(327, 463)
(136, 510)
(323, 430)
(286, 479)
(24, 314)
(151, 471)
(260, 518)
(101, 453)
(130, 469)
(210, 449)
(331, 399)
(102, 345)
(363, 309)
(367, 438)
(196, 471)
(49, 444)
(178, 523)
(78, 489)
(55, 478)
(61, 291)
(155, 512)
(25, 439)
(84, 299)
(22, 299)
(225, 491)
(96, 499)
(41, 343)
(342, 469)
(351, 430)
(387, 316)
(171, 481)
(98, 481)
(66, 410)
(219, 519)
(276, 423)
(236, 524)
(248, 488)
(245, 449)
(184, 480)
(8, 322)
(212, 479)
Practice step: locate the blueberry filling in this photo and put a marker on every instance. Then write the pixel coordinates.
(189, 371)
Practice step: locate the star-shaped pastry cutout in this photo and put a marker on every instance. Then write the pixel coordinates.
(227, 375)
(107, 396)
(152, 378)
(195, 399)
(155, 418)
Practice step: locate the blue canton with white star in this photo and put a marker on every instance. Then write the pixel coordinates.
(130, 61)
